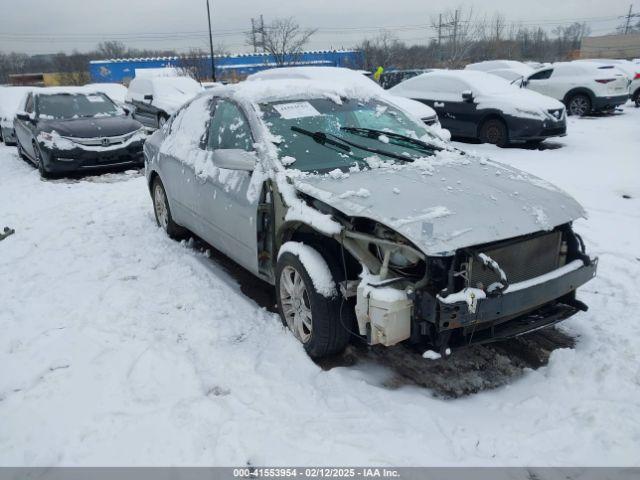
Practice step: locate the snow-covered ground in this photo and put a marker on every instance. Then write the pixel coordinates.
(122, 347)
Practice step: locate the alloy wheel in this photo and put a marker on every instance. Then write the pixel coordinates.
(294, 300)
(160, 205)
(579, 106)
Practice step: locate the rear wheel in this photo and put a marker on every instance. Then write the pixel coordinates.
(494, 131)
(314, 318)
(163, 212)
(579, 105)
(636, 98)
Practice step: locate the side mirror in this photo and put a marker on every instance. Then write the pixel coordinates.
(24, 116)
(127, 110)
(148, 97)
(467, 96)
(234, 159)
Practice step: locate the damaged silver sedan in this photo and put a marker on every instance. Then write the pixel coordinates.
(366, 224)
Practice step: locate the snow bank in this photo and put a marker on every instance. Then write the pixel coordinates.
(315, 265)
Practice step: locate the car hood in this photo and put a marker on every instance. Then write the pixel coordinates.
(518, 98)
(447, 202)
(414, 107)
(91, 127)
(171, 104)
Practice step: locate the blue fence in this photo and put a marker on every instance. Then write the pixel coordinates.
(228, 67)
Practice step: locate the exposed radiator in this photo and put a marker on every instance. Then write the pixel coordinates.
(520, 261)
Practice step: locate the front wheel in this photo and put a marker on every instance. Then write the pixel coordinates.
(494, 131)
(310, 309)
(44, 173)
(163, 212)
(579, 105)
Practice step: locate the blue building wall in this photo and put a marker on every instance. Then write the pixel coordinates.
(231, 67)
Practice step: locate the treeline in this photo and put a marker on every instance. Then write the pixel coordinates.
(485, 41)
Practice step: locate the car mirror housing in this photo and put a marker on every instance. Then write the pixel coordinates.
(148, 97)
(234, 159)
(24, 116)
(467, 96)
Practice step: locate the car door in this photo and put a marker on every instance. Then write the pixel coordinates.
(541, 83)
(222, 198)
(143, 109)
(180, 155)
(25, 128)
(456, 114)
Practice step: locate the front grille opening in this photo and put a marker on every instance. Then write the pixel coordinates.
(520, 261)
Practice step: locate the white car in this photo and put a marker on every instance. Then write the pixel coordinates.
(482, 106)
(632, 70)
(508, 69)
(582, 87)
(357, 80)
(10, 102)
(155, 99)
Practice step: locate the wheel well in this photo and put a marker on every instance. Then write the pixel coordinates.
(577, 91)
(635, 94)
(327, 246)
(152, 178)
(491, 116)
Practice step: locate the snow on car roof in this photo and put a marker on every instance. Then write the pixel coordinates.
(481, 81)
(266, 90)
(346, 76)
(10, 99)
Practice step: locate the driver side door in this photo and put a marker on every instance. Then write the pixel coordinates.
(222, 200)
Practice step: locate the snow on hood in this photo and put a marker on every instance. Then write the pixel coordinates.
(517, 100)
(447, 202)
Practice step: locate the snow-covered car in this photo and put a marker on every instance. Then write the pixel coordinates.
(508, 69)
(483, 106)
(391, 78)
(10, 99)
(66, 129)
(364, 222)
(632, 70)
(582, 87)
(356, 79)
(115, 91)
(154, 99)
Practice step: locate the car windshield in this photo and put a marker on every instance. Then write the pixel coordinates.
(171, 86)
(76, 105)
(293, 121)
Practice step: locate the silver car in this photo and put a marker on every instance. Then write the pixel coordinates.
(365, 223)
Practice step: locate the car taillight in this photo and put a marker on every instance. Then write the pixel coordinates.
(637, 77)
(606, 80)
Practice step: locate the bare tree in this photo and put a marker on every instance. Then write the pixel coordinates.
(459, 31)
(112, 49)
(285, 39)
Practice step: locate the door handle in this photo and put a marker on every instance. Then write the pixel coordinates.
(438, 104)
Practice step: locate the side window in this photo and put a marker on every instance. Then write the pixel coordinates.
(28, 107)
(543, 75)
(229, 128)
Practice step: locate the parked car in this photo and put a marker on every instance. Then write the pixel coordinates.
(67, 129)
(154, 99)
(632, 70)
(482, 106)
(390, 78)
(364, 222)
(10, 99)
(508, 69)
(583, 88)
(356, 79)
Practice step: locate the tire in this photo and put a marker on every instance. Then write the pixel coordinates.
(636, 98)
(44, 173)
(162, 211)
(494, 131)
(579, 105)
(322, 333)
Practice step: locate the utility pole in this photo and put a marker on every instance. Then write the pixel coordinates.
(440, 37)
(213, 62)
(262, 42)
(455, 32)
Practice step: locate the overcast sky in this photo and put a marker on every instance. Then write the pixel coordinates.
(48, 26)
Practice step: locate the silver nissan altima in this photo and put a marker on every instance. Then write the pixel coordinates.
(366, 223)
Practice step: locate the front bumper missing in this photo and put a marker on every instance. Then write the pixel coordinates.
(517, 301)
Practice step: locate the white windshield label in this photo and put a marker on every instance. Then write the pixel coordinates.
(95, 98)
(296, 110)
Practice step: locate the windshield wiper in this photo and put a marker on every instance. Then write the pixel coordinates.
(373, 133)
(325, 138)
(322, 138)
